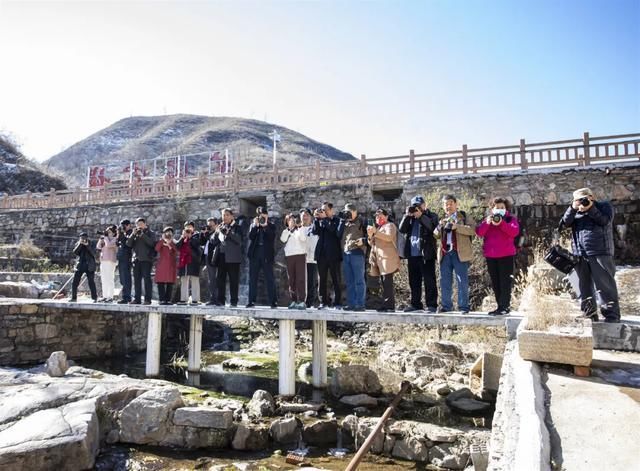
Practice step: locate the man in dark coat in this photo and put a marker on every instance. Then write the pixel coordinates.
(229, 237)
(142, 241)
(189, 263)
(328, 253)
(417, 226)
(85, 265)
(262, 234)
(591, 223)
(210, 241)
(124, 261)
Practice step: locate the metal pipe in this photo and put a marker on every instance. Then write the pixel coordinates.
(355, 461)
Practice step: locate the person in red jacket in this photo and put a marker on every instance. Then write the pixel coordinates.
(499, 231)
(166, 268)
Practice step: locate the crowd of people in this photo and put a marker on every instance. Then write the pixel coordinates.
(322, 244)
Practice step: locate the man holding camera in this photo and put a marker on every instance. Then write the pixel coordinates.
(354, 237)
(261, 253)
(455, 232)
(229, 237)
(418, 225)
(142, 242)
(210, 241)
(86, 265)
(591, 223)
(189, 263)
(124, 255)
(328, 253)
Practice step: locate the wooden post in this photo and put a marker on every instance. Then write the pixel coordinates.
(465, 164)
(287, 364)
(587, 157)
(523, 155)
(412, 160)
(154, 336)
(319, 354)
(195, 343)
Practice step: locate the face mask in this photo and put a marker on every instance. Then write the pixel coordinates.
(380, 221)
(501, 212)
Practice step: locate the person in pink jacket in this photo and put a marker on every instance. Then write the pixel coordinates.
(499, 231)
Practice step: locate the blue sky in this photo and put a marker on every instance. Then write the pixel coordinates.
(374, 77)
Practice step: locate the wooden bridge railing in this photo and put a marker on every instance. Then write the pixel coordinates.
(379, 170)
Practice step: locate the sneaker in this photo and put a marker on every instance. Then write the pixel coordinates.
(195, 303)
(432, 309)
(124, 301)
(464, 311)
(495, 312)
(301, 306)
(293, 305)
(236, 305)
(411, 309)
(101, 300)
(211, 303)
(249, 305)
(135, 302)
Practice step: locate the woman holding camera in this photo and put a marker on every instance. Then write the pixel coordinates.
(499, 231)
(294, 238)
(190, 254)
(384, 258)
(108, 246)
(166, 268)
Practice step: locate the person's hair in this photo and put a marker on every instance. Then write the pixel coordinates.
(261, 210)
(190, 223)
(350, 207)
(113, 228)
(167, 229)
(498, 200)
(382, 211)
(125, 222)
(449, 198)
(288, 217)
(328, 204)
(214, 219)
(228, 210)
(141, 220)
(306, 210)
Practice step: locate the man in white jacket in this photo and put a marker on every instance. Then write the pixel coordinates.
(295, 250)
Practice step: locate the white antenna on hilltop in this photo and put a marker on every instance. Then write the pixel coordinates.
(276, 138)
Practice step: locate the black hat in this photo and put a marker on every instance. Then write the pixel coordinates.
(125, 222)
(84, 234)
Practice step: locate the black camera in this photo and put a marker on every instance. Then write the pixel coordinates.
(224, 230)
(262, 219)
(584, 201)
(448, 227)
(412, 209)
(346, 215)
(496, 218)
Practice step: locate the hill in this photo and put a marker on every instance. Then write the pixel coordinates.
(140, 138)
(18, 174)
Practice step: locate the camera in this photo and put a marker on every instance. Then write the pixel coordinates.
(204, 229)
(496, 218)
(262, 219)
(346, 215)
(412, 209)
(224, 230)
(448, 227)
(584, 201)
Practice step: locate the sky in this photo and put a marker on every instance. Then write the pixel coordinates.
(368, 77)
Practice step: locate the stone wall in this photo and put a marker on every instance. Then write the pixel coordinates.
(29, 333)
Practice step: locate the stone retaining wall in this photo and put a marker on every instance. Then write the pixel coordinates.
(29, 333)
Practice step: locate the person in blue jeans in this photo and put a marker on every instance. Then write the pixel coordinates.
(455, 232)
(354, 246)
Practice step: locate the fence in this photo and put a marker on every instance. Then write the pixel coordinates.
(583, 152)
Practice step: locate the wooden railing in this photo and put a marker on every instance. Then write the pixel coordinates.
(379, 170)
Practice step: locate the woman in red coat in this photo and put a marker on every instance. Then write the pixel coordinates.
(166, 268)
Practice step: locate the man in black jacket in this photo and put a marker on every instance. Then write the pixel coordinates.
(591, 223)
(262, 234)
(124, 261)
(86, 265)
(229, 236)
(328, 253)
(417, 225)
(210, 241)
(142, 242)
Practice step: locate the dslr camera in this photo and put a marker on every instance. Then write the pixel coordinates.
(448, 226)
(412, 209)
(346, 215)
(262, 219)
(496, 218)
(584, 201)
(224, 230)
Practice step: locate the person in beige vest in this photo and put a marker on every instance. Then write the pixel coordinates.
(384, 258)
(455, 252)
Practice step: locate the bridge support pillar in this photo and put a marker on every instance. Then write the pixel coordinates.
(154, 336)
(319, 354)
(287, 363)
(195, 343)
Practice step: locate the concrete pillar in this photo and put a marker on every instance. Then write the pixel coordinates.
(154, 337)
(319, 354)
(195, 343)
(287, 363)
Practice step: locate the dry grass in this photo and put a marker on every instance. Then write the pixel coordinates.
(27, 249)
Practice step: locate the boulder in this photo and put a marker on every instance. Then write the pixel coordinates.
(449, 456)
(285, 431)
(355, 429)
(359, 400)
(410, 448)
(321, 433)
(146, 418)
(57, 364)
(470, 407)
(203, 417)
(354, 379)
(196, 437)
(230, 404)
(64, 438)
(18, 289)
(297, 408)
(261, 404)
(446, 348)
(250, 437)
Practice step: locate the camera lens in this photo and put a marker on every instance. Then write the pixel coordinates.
(497, 218)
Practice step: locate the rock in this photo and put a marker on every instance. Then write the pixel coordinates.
(57, 365)
(460, 394)
(298, 408)
(361, 411)
(470, 407)
(358, 429)
(196, 437)
(448, 456)
(241, 364)
(354, 379)
(410, 448)
(19, 289)
(320, 433)
(359, 400)
(446, 348)
(440, 415)
(424, 400)
(251, 437)
(261, 404)
(230, 404)
(203, 417)
(285, 430)
(443, 390)
(145, 419)
(457, 377)
(64, 438)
